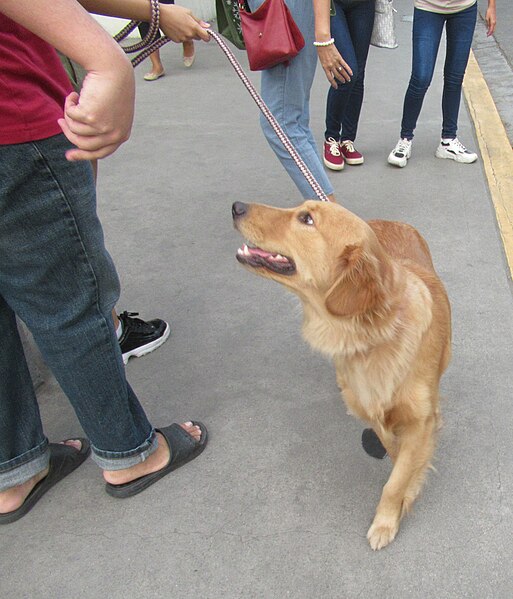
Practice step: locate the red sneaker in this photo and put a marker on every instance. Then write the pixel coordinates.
(332, 157)
(349, 153)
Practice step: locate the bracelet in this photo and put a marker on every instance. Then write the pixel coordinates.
(322, 44)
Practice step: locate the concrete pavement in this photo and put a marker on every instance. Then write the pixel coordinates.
(279, 503)
(495, 55)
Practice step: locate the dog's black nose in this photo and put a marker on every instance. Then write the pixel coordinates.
(239, 209)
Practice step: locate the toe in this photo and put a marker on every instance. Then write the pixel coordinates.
(381, 534)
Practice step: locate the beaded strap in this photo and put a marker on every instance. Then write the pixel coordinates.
(323, 44)
(148, 44)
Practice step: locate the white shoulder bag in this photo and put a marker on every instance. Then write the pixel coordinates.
(383, 34)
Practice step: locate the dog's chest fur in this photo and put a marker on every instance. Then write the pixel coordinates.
(372, 358)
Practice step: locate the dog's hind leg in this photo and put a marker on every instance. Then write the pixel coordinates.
(415, 449)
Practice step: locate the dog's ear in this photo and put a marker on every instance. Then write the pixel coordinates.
(358, 284)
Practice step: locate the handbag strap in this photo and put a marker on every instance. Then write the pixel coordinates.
(282, 136)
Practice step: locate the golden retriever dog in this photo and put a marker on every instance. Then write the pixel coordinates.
(373, 303)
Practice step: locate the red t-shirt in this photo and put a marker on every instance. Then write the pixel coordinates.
(33, 85)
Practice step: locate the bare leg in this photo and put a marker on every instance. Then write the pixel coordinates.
(188, 53)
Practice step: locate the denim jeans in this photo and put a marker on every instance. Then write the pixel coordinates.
(427, 32)
(57, 276)
(286, 91)
(351, 28)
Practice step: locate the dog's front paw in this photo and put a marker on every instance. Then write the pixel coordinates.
(382, 532)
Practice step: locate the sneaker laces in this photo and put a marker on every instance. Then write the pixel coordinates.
(348, 144)
(334, 147)
(459, 146)
(402, 146)
(136, 324)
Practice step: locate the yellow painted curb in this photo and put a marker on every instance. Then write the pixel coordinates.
(495, 150)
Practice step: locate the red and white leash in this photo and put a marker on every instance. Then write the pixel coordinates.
(150, 45)
(307, 173)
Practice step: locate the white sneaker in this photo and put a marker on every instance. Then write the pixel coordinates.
(400, 154)
(455, 150)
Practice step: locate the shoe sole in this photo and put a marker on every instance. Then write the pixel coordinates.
(150, 77)
(400, 162)
(448, 156)
(188, 61)
(146, 349)
(333, 167)
(354, 161)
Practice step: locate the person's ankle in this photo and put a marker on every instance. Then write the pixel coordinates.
(157, 460)
(13, 498)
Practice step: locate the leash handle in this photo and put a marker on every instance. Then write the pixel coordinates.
(149, 43)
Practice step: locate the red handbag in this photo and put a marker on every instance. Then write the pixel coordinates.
(270, 34)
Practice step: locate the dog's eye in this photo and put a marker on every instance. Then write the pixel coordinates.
(306, 218)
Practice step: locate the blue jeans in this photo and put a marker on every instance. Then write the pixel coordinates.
(351, 28)
(57, 276)
(427, 32)
(286, 91)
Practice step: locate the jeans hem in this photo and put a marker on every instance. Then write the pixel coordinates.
(24, 467)
(111, 460)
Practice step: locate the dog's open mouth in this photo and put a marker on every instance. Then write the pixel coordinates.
(259, 258)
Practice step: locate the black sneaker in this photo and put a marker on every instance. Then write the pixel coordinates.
(139, 337)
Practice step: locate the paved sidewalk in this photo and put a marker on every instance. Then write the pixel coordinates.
(279, 504)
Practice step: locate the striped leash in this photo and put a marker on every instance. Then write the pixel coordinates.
(150, 44)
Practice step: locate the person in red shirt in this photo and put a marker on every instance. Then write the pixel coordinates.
(55, 273)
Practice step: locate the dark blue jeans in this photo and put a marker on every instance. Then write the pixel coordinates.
(57, 276)
(427, 32)
(351, 27)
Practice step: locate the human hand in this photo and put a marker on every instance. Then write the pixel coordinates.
(180, 25)
(491, 20)
(100, 119)
(335, 67)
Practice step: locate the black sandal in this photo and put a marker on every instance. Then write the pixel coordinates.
(63, 460)
(183, 448)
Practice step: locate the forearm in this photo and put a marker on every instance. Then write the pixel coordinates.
(491, 17)
(177, 22)
(68, 27)
(136, 10)
(322, 20)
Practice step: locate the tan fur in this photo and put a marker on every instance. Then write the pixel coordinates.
(373, 303)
